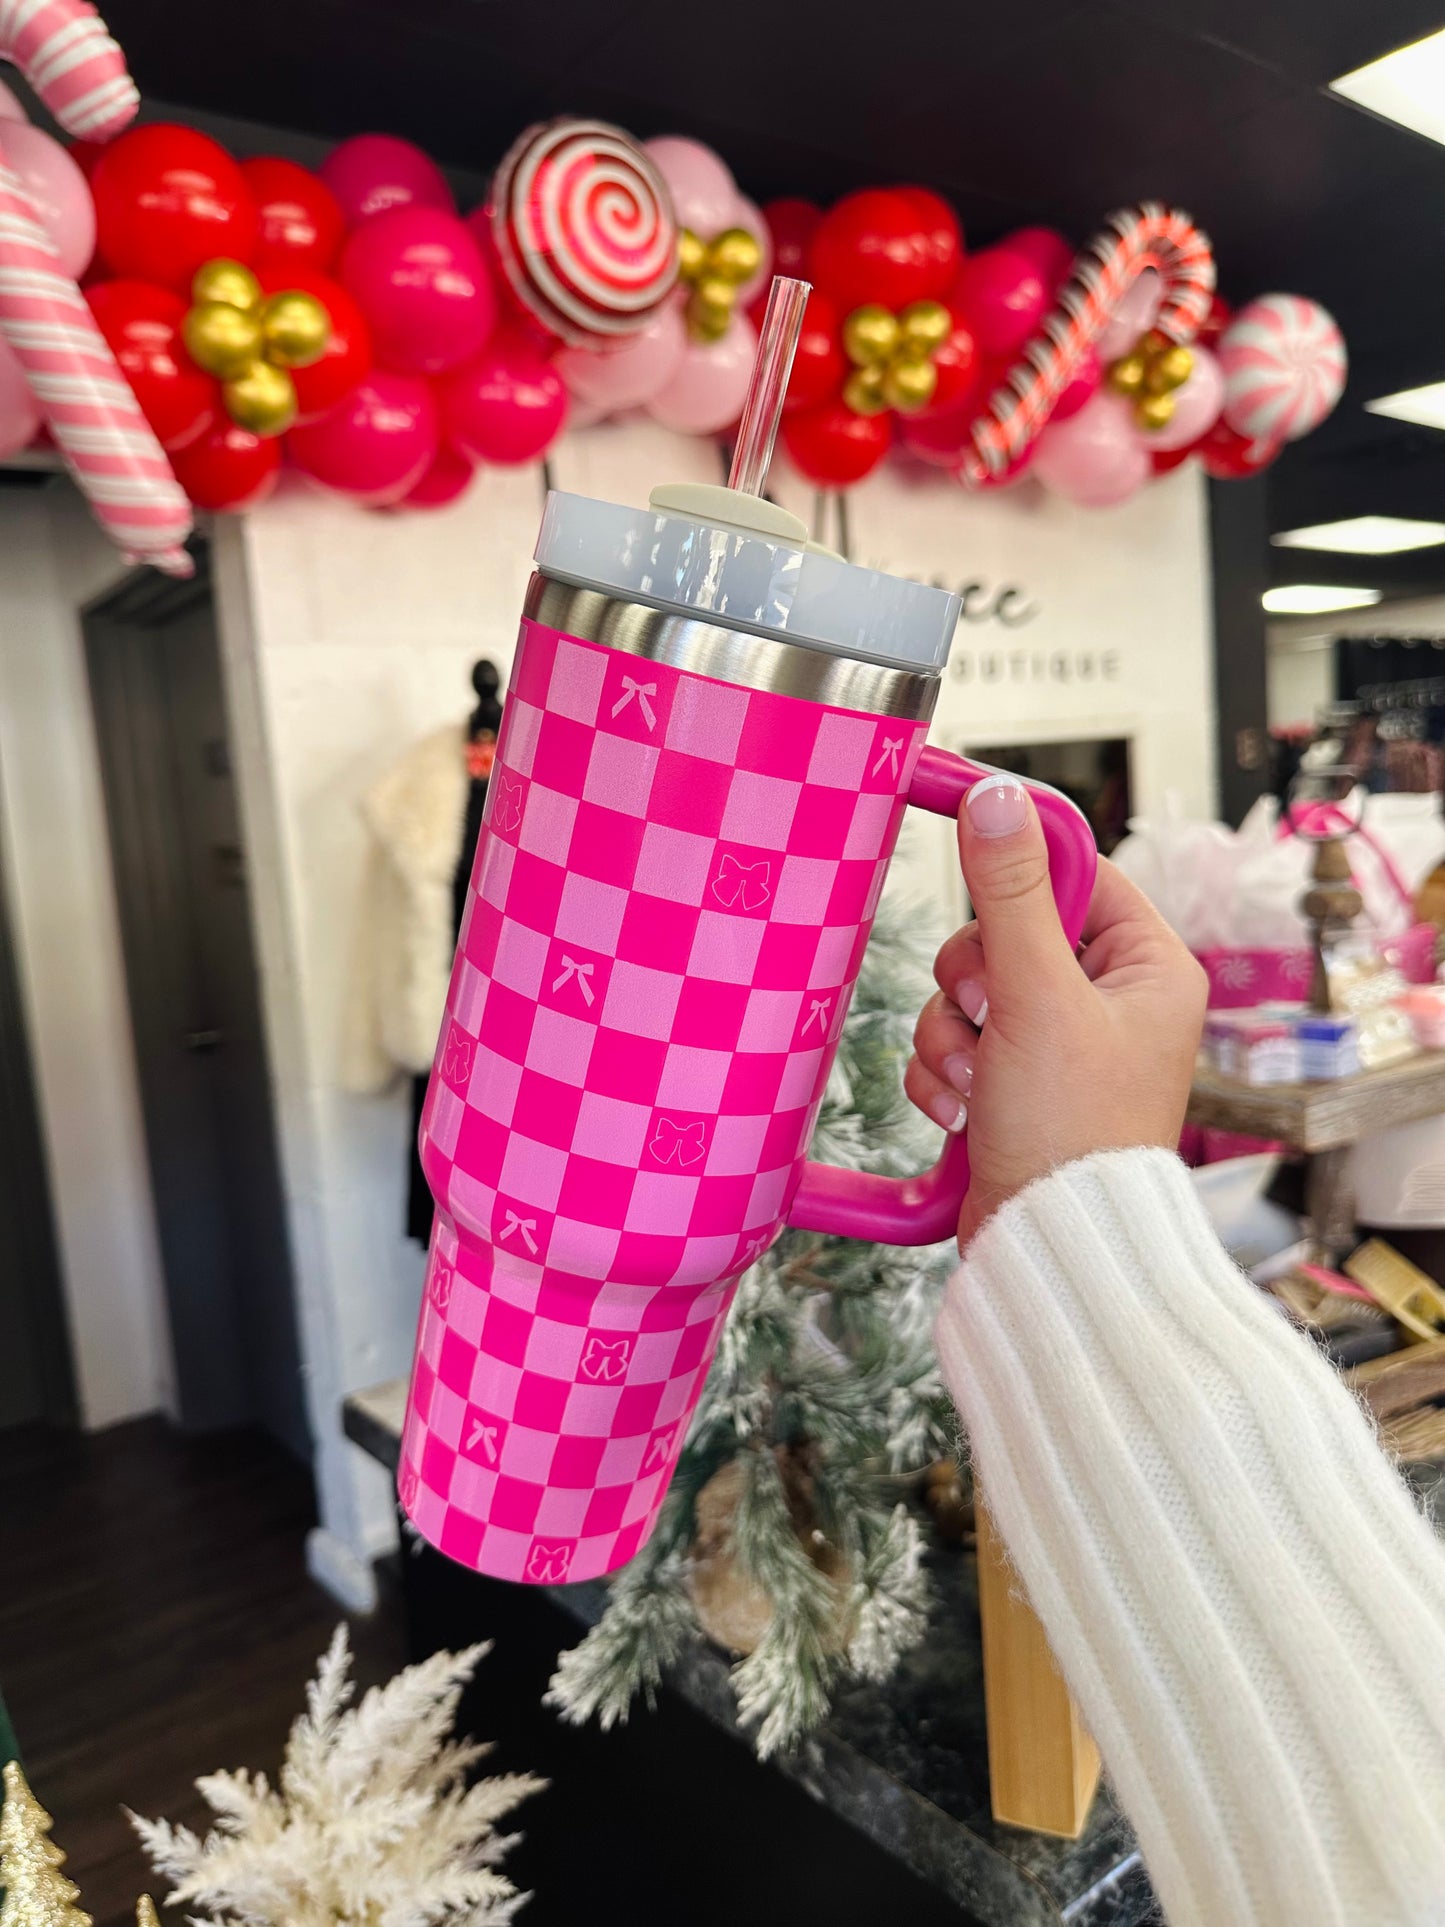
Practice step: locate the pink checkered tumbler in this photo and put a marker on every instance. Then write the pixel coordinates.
(711, 734)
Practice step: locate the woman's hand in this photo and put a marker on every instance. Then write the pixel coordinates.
(1070, 1059)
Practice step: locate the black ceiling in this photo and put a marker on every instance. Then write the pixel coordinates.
(1053, 110)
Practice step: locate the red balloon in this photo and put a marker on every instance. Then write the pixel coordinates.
(348, 351)
(229, 467)
(299, 220)
(1215, 322)
(1165, 459)
(938, 438)
(449, 476)
(420, 280)
(1227, 456)
(819, 366)
(1003, 298)
(956, 363)
(85, 154)
(508, 405)
(142, 324)
(942, 237)
(874, 246)
(833, 447)
(792, 223)
(377, 444)
(1045, 249)
(168, 199)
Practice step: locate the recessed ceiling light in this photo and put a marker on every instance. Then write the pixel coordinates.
(1364, 535)
(1315, 599)
(1424, 405)
(1407, 86)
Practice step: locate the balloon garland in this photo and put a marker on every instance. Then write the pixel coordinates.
(351, 324)
(64, 51)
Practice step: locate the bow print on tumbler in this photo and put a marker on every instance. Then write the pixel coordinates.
(641, 690)
(605, 1359)
(507, 803)
(888, 754)
(677, 1143)
(819, 1008)
(581, 973)
(548, 1565)
(517, 1227)
(742, 885)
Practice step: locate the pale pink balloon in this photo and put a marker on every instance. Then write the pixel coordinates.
(1134, 316)
(59, 190)
(630, 376)
(19, 410)
(705, 393)
(1098, 458)
(1082, 384)
(747, 214)
(373, 172)
(704, 193)
(1197, 403)
(10, 108)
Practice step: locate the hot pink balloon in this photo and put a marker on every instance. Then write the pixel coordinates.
(58, 189)
(1197, 403)
(19, 410)
(705, 393)
(10, 108)
(630, 376)
(1019, 470)
(508, 405)
(1134, 316)
(1098, 458)
(377, 444)
(1045, 249)
(1003, 300)
(1082, 384)
(449, 476)
(418, 277)
(704, 193)
(373, 172)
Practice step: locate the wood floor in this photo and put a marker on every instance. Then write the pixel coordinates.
(156, 1621)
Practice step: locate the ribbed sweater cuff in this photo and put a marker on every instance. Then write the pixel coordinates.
(1238, 1587)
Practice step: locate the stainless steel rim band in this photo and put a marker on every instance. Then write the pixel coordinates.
(730, 655)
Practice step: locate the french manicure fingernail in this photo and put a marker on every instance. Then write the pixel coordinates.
(951, 1112)
(971, 1001)
(958, 1069)
(997, 805)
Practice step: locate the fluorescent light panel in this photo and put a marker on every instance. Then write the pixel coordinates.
(1407, 86)
(1424, 405)
(1315, 599)
(1364, 535)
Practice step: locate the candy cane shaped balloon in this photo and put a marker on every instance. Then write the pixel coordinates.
(1148, 236)
(64, 51)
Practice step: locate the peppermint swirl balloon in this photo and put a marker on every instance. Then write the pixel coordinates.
(1284, 367)
(585, 231)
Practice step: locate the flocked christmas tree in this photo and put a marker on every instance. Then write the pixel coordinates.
(784, 1535)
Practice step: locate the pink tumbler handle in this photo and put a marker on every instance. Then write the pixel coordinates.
(922, 1210)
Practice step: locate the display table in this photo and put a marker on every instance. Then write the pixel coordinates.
(906, 1762)
(1323, 1121)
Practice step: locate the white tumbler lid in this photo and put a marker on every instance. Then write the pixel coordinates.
(765, 577)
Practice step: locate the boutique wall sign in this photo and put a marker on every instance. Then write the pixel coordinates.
(354, 324)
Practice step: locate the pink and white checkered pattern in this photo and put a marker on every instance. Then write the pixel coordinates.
(671, 897)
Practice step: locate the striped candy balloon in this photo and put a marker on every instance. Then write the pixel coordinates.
(1148, 236)
(584, 227)
(1284, 365)
(64, 51)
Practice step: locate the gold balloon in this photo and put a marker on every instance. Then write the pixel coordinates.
(708, 320)
(1154, 411)
(909, 382)
(228, 281)
(735, 255)
(296, 329)
(1168, 370)
(263, 399)
(691, 254)
(717, 292)
(863, 390)
(925, 325)
(221, 339)
(1126, 376)
(870, 335)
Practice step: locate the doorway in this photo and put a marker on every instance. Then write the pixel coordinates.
(180, 874)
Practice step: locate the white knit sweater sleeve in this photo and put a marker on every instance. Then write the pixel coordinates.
(1238, 1587)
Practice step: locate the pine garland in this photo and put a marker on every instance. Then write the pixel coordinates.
(823, 1392)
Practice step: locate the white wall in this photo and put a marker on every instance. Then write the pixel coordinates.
(67, 939)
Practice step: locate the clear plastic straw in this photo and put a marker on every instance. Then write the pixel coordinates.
(763, 409)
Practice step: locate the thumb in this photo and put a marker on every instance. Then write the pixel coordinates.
(1006, 867)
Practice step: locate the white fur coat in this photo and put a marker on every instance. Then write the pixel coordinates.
(415, 816)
